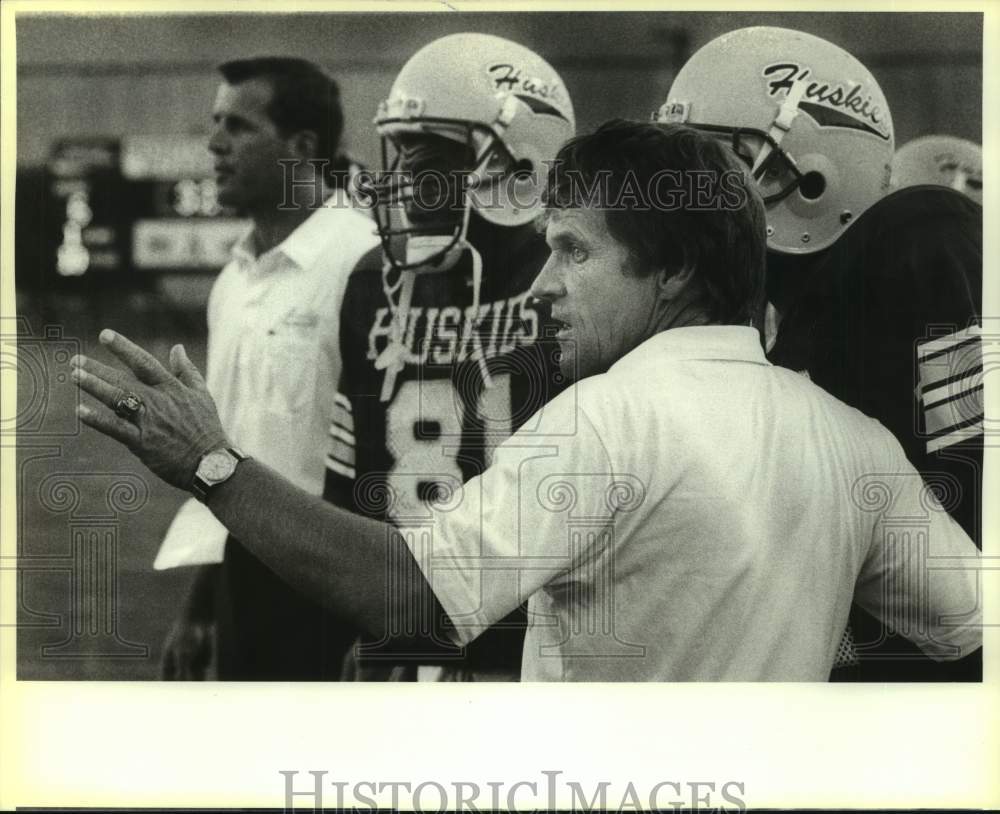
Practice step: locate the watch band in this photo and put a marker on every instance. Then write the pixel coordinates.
(200, 487)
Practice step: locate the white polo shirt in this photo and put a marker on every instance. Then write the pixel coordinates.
(696, 514)
(274, 358)
(274, 340)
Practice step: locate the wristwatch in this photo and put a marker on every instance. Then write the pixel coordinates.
(215, 467)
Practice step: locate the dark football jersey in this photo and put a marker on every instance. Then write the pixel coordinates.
(888, 321)
(471, 374)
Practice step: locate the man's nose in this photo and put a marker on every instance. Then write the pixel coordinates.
(547, 285)
(218, 143)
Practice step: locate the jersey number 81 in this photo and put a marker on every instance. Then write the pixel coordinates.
(426, 426)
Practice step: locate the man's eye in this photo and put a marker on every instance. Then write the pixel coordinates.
(577, 254)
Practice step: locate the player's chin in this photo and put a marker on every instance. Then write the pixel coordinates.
(228, 194)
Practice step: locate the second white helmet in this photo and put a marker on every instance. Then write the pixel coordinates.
(942, 160)
(809, 119)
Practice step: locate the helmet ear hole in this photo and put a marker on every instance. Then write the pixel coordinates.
(812, 185)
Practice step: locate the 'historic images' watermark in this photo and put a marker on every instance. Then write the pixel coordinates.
(548, 791)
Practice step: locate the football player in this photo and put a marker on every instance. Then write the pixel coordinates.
(445, 352)
(875, 296)
(942, 160)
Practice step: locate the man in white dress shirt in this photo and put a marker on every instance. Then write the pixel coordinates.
(273, 350)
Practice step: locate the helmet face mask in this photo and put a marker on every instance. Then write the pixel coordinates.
(434, 183)
(808, 118)
(777, 176)
(422, 196)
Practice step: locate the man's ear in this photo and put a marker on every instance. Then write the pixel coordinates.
(671, 283)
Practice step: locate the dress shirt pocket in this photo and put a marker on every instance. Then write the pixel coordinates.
(291, 358)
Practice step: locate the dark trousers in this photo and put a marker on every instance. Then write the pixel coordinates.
(268, 632)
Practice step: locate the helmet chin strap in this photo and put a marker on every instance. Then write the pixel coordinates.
(393, 358)
(782, 123)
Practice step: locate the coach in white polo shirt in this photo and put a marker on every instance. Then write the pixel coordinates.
(273, 349)
(273, 357)
(684, 512)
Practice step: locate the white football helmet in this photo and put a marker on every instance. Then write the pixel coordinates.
(496, 99)
(808, 118)
(941, 160)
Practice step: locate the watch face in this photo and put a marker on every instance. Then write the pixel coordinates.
(216, 466)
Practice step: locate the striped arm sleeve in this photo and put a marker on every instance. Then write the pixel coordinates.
(950, 388)
(340, 450)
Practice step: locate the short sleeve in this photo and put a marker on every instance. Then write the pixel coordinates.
(921, 575)
(506, 534)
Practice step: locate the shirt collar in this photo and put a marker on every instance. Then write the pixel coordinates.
(730, 343)
(242, 250)
(304, 245)
(311, 237)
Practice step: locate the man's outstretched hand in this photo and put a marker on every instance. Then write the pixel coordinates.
(177, 422)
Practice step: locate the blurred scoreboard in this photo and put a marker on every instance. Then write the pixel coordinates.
(120, 208)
